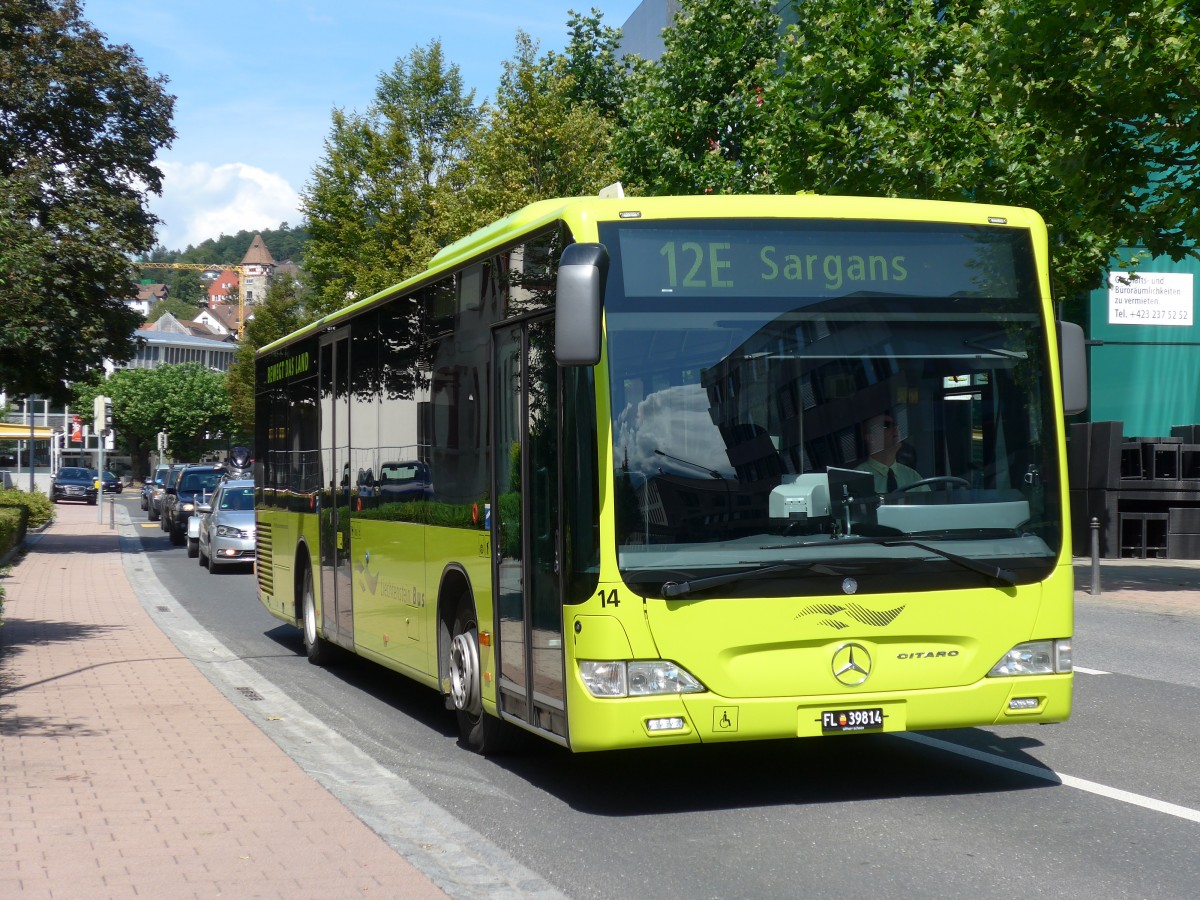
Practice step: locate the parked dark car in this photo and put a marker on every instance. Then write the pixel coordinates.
(400, 481)
(152, 483)
(112, 484)
(159, 509)
(74, 483)
(194, 484)
(160, 495)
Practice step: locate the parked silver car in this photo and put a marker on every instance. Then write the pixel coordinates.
(227, 527)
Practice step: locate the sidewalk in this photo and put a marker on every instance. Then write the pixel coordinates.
(126, 773)
(1164, 585)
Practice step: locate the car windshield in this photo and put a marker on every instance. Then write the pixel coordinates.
(241, 498)
(788, 394)
(199, 481)
(73, 473)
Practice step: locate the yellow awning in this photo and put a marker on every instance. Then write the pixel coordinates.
(15, 431)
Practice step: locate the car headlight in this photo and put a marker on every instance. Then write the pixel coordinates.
(230, 532)
(637, 678)
(1035, 658)
(187, 507)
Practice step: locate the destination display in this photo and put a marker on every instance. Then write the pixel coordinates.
(692, 259)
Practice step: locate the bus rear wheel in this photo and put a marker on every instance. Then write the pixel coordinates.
(479, 731)
(319, 651)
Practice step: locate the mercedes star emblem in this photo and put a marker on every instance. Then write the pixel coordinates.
(851, 664)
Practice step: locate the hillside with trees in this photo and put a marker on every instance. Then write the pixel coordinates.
(187, 285)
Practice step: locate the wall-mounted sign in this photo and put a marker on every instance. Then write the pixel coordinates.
(1150, 298)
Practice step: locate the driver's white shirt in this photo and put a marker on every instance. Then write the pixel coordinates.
(905, 475)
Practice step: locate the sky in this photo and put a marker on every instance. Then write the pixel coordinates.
(255, 82)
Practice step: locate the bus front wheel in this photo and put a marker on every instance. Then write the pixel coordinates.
(318, 650)
(480, 732)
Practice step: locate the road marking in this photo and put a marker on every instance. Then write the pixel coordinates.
(1082, 784)
(1091, 671)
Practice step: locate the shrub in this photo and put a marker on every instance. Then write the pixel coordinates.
(12, 527)
(41, 510)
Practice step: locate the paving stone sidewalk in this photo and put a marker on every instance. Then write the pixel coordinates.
(125, 773)
(1165, 585)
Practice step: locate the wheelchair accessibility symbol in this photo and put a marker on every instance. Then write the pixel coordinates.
(725, 718)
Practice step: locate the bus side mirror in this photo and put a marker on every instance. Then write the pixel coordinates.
(1072, 360)
(579, 304)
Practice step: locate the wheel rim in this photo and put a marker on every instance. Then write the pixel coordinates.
(310, 616)
(464, 672)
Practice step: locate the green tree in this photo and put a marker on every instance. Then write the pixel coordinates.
(540, 140)
(188, 401)
(82, 123)
(279, 315)
(372, 203)
(1086, 114)
(692, 119)
(190, 288)
(184, 312)
(593, 60)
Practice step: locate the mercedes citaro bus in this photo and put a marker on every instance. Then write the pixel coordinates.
(612, 471)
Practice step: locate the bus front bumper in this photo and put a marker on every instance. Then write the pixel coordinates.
(606, 724)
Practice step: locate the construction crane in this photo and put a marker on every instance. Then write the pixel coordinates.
(200, 267)
(208, 267)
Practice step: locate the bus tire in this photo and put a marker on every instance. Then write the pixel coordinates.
(318, 650)
(480, 732)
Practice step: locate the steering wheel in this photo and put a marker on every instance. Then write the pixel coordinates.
(946, 481)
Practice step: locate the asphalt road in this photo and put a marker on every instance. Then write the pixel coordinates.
(1106, 805)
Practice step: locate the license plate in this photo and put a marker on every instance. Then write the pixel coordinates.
(837, 721)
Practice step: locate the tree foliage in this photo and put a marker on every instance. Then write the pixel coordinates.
(592, 59)
(542, 138)
(425, 166)
(80, 124)
(1085, 113)
(692, 119)
(180, 309)
(373, 200)
(188, 401)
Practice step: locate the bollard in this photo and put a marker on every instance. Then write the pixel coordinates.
(1095, 557)
(112, 513)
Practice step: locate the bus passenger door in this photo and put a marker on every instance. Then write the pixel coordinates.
(337, 610)
(526, 573)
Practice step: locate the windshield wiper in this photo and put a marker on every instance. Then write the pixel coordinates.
(1004, 576)
(711, 473)
(977, 343)
(683, 588)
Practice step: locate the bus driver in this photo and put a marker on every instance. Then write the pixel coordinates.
(883, 441)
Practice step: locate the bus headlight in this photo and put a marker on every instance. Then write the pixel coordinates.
(1035, 658)
(639, 678)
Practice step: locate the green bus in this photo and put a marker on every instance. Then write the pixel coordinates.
(625, 472)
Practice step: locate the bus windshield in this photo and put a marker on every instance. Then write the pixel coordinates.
(798, 400)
